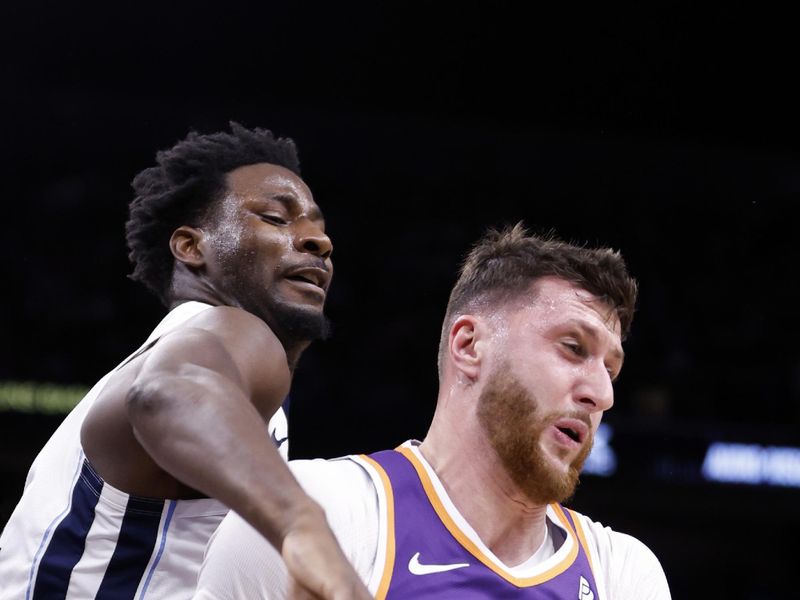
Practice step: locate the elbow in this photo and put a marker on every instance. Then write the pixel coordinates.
(142, 400)
(151, 414)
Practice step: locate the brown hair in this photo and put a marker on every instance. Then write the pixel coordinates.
(504, 263)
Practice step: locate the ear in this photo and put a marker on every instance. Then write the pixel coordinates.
(467, 345)
(187, 244)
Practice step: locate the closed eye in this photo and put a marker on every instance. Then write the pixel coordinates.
(575, 348)
(274, 219)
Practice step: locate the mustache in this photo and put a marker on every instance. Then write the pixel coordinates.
(310, 263)
(580, 415)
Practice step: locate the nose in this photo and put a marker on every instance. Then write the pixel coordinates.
(312, 239)
(596, 391)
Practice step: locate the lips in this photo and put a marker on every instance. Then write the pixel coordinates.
(575, 429)
(317, 276)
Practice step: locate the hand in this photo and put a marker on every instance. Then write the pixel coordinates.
(298, 592)
(318, 569)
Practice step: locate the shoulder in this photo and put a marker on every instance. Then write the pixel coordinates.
(629, 568)
(229, 323)
(341, 487)
(240, 563)
(253, 348)
(345, 492)
(334, 481)
(230, 326)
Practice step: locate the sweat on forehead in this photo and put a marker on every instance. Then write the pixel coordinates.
(560, 296)
(549, 293)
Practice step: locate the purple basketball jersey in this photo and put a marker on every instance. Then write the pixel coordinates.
(429, 556)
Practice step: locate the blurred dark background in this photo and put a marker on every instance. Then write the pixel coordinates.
(666, 130)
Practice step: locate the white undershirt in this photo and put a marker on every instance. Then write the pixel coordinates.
(240, 563)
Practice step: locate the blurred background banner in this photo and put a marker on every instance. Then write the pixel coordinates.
(668, 131)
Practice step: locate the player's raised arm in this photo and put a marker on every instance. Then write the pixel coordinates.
(198, 407)
(202, 418)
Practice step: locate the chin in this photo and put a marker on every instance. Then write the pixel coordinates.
(300, 323)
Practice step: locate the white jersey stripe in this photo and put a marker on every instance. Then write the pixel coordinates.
(163, 542)
(100, 544)
(46, 536)
(138, 535)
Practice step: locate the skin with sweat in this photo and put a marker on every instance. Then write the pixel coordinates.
(546, 365)
(206, 389)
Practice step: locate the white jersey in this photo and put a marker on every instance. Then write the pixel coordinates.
(239, 563)
(73, 536)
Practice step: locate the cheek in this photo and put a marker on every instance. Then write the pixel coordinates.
(228, 240)
(270, 247)
(556, 374)
(280, 244)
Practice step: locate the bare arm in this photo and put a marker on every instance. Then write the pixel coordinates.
(198, 406)
(190, 409)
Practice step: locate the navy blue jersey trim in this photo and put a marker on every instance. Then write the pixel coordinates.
(287, 403)
(137, 539)
(69, 538)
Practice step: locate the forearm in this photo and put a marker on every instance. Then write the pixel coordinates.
(208, 436)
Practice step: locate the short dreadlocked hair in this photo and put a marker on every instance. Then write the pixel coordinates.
(183, 188)
(504, 263)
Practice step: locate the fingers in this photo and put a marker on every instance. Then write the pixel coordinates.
(353, 591)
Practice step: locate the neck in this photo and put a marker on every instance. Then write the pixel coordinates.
(187, 286)
(510, 525)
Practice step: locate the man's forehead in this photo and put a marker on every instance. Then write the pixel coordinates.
(563, 300)
(255, 177)
(263, 182)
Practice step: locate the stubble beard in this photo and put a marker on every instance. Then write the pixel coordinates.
(514, 425)
(293, 324)
(296, 324)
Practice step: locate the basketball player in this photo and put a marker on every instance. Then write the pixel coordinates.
(530, 347)
(119, 503)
